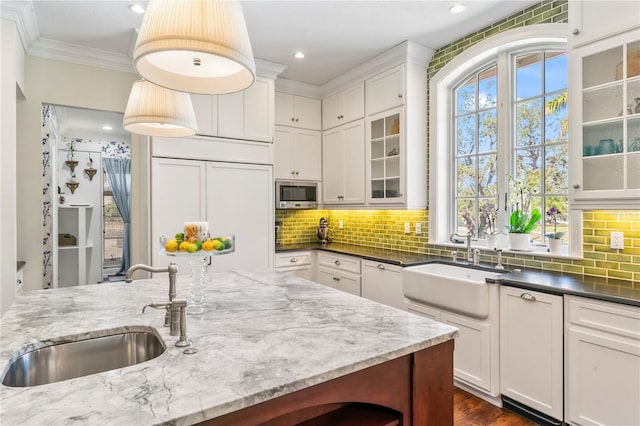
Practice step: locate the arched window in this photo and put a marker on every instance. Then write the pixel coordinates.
(499, 118)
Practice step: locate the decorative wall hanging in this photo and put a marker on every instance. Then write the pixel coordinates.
(90, 171)
(72, 186)
(71, 164)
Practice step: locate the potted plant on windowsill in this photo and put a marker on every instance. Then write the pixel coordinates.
(521, 223)
(555, 238)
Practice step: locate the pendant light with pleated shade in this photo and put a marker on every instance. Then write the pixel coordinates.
(156, 111)
(195, 46)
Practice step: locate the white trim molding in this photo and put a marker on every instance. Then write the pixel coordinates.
(441, 84)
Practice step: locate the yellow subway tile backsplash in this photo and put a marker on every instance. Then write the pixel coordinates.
(385, 229)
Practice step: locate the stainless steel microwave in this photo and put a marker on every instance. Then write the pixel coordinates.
(292, 195)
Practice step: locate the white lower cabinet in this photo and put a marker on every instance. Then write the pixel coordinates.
(475, 356)
(602, 363)
(531, 349)
(299, 263)
(382, 282)
(339, 272)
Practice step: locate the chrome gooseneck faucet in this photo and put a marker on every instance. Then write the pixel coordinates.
(468, 237)
(172, 269)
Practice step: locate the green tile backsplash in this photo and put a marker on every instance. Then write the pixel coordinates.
(385, 228)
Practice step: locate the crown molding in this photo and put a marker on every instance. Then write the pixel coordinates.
(51, 49)
(22, 13)
(268, 69)
(406, 51)
(298, 88)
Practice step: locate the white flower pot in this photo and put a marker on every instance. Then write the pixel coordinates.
(555, 245)
(519, 242)
(491, 241)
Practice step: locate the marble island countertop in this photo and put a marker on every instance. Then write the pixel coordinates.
(264, 334)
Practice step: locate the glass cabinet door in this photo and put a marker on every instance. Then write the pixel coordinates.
(385, 152)
(611, 118)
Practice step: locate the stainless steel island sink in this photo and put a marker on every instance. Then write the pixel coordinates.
(82, 357)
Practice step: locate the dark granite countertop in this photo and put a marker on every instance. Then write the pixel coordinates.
(611, 290)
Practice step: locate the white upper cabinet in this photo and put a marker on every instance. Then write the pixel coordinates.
(343, 154)
(396, 145)
(343, 107)
(605, 122)
(298, 111)
(386, 90)
(594, 20)
(246, 115)
(298, 154)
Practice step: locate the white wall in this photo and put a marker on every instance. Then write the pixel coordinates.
(57, 83)
(12, 82)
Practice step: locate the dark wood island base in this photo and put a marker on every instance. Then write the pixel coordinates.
(415, 389)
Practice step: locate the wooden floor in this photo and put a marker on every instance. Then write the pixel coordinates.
(469, 410)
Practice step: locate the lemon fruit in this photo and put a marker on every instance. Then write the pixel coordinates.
(171, 246)
(217, 244)
(192, 248)
(183, 246)
(207, 246)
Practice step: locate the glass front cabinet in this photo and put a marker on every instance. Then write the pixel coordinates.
(385, 166)
(605, 100)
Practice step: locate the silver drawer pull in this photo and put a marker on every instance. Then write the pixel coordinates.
(337, 262)
(380, 266)
(527, 296)
(293, 260)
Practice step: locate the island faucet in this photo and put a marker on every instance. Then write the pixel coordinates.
(468, 237)
(178, 322)
(172, 269)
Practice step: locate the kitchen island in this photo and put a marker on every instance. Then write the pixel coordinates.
(271, 348)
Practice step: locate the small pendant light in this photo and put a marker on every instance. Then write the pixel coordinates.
(155, 111)
(195, 46)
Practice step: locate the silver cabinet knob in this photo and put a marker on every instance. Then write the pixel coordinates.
(297, 120)
(293, 119)
(380, 266)
(400, 95)
(576, 186)
(576, 31)
(293, 260)
(337, 262)
(336, 279)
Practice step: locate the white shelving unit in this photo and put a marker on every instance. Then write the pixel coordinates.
(75, 262)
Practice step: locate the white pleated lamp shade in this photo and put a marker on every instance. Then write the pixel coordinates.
(156, 111)
(195, 46)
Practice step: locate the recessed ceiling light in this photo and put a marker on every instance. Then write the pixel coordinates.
(136, 8)
(298, 55)
(457, 8)
(107, 127)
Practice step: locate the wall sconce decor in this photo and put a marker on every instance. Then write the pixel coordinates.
(195, 46)
(71, 164)
(90, 171)
(72, 186)
(155, 111)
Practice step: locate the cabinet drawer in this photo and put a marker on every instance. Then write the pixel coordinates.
(341, 263)
(293, 259)
(604, 316)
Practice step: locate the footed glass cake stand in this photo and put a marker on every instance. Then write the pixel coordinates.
(198, 268)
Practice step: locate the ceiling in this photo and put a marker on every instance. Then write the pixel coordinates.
(335, 36)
